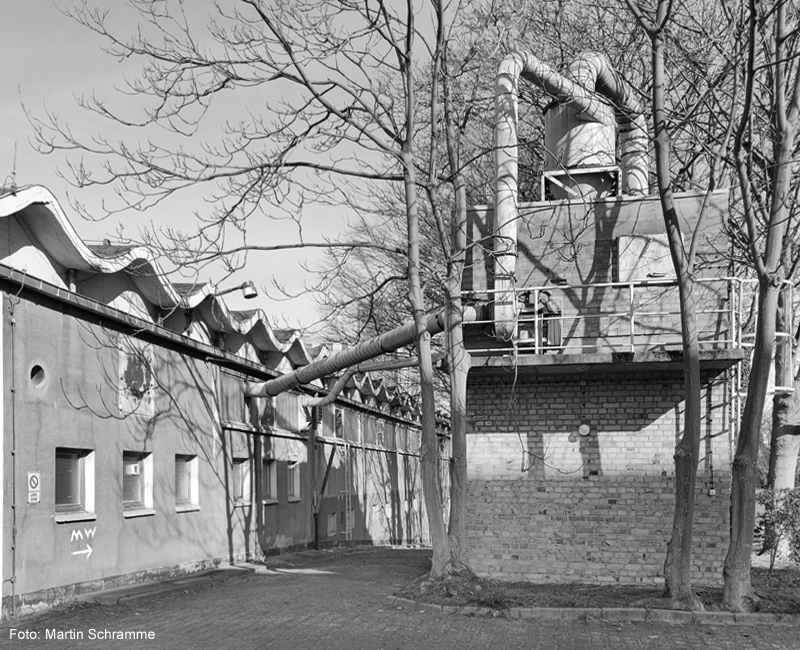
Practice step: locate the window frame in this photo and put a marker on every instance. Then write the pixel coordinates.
(241, 482)
(83, 509)
(190, 464)
(338, 423)
(269, 480)
(293, 483)
(143, 506)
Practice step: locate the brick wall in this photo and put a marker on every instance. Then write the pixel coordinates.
(546, 503)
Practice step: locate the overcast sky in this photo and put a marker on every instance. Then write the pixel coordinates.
(47, 59)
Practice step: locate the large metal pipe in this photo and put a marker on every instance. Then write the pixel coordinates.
(592, 74)
(344, 379)
(383, 344)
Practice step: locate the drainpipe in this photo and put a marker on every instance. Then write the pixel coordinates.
(383, 344)
(2, 453)
(592, 74)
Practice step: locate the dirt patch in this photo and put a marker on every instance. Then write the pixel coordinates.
(779, 593)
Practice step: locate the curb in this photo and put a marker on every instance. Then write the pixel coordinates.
(612, 615)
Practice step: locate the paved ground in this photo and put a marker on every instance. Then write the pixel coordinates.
(336, 600)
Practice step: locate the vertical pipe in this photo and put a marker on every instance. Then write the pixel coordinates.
(3, 456)
(595, 77)
(311, 452)
(12, 301)
(632, 317)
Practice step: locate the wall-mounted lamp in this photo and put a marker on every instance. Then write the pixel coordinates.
(247, 288)
(558, 281)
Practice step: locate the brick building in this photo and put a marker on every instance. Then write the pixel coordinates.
(576, 388)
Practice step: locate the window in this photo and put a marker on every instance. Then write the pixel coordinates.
(74, 484)
(240, 481)
(379, 435)
(289, 412)
(137, 483)
(327, 421)
(338, 426)
(186, 483)
(269, 480)
(389, 439)
(331, 525)
(293, 491)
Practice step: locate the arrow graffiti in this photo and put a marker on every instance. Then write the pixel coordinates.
(87, 551)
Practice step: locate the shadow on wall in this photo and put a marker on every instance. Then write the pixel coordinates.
(186, 416)
(581, 426)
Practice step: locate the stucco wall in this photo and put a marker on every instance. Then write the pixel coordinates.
(74, 403)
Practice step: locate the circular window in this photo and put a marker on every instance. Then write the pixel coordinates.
(37, 376)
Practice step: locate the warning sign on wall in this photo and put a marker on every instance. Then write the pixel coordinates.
(34, 487)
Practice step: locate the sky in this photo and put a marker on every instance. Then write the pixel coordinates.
(48, 60)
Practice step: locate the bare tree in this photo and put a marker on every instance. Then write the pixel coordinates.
(770, 112)
(333, 105)
(785, 436)
(658, 23)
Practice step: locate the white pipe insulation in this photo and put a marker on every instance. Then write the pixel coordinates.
(590, 83)
(374, 347)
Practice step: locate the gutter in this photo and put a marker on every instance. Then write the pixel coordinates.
(133, 325)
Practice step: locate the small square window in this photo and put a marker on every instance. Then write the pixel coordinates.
(137, 482)
(240, 481)
(74, 482)
(269, 480)
(186, 482)
(293, 485)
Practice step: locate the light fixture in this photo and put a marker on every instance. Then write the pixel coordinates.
(247, 288)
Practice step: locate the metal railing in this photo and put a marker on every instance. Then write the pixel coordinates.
(624, 316)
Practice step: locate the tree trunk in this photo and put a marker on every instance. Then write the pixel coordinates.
(785, 445)
(785, 436)
(678, 563)
(429, 461)
(785, 439)
(458, 360)
(738, 592)
(429, 447)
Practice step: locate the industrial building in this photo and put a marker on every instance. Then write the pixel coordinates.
(575, 393)
(129, 448)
